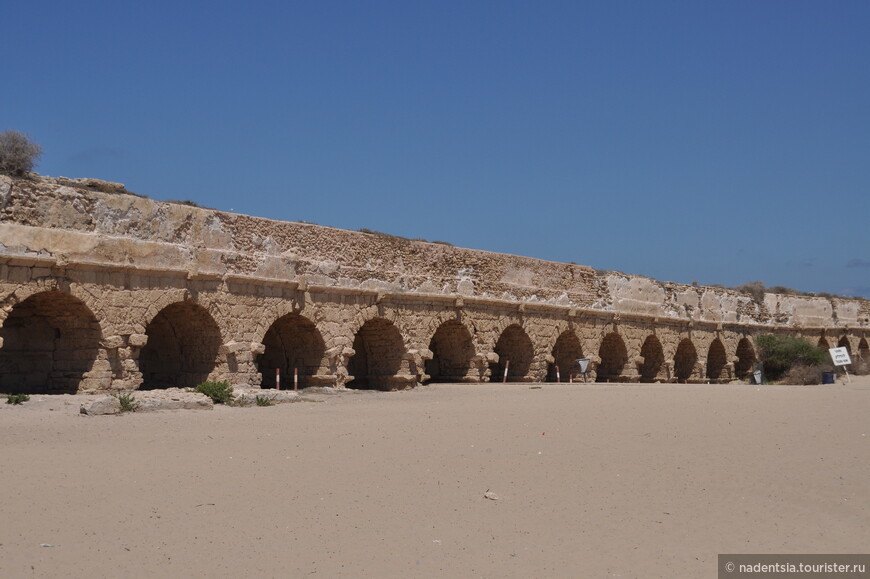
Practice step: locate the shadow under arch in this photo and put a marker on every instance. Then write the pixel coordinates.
(515, 350)
(292, 342)
(182, 348)
(379, 351)
(717, 359)
(566, 351)
(653, 359)
(50, 341)
(844, 343)
(614, 357)
(746, 359)
(452, 350)
(685, 359)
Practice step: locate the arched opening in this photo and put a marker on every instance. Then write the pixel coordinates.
(379, 352)
(844, 343)
(50, 340)
(292, 343)
(746, 359)
(566, 352)
(685, 360)
(614, 356)
(653, 359)
(823, 344)
(452, 350)
(514, 349)
(182, 348)
(862, 364)
(716, 361)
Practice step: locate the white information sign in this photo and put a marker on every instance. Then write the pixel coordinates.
(840, 356)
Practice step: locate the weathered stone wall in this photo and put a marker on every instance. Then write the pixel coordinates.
(101, 289)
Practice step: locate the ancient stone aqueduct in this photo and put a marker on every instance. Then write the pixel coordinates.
(104, 290)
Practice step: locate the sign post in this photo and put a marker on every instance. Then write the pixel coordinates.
(841, 357)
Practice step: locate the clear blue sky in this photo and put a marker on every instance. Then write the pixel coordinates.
(722, 142)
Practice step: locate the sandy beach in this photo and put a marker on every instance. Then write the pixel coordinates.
(586, 480)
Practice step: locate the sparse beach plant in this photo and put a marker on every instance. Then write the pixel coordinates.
(128, 401)
(17, 398)
(263, 401)
(219, 392)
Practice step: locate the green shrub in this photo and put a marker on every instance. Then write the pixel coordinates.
(18, 154)
(128, 401)
(781, 353)
(219, 392)
(17, 398)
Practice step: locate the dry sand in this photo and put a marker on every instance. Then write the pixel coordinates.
(592, 481)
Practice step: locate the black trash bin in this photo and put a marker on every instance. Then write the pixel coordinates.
(828, 377)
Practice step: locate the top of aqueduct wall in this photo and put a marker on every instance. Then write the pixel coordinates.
(82, 223)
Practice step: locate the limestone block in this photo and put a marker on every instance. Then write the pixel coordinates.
(230, 347)
(258, 348)
(102, 405)
(112, 342)
(137, 340)
(492, 358)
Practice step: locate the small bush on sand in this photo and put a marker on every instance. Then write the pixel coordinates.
(127, 400)
(263, 401)
(780, 353)
(219, 392)
(18, 154)
(17, 398)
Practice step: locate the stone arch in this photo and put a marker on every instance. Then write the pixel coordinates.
(653, 359)
(292, 343)
(182, 348)
(614, 357)
(823, 344)
(513, 346)
(379, 351)
(566, 352)
(452, 350)
(717, 359)
(845, 343)
(51, 341)
(685, 359)
(746, 358)
(864, 350)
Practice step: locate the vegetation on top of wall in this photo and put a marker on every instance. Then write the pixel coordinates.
(377, 233)
(757, 289)
(18, 154)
